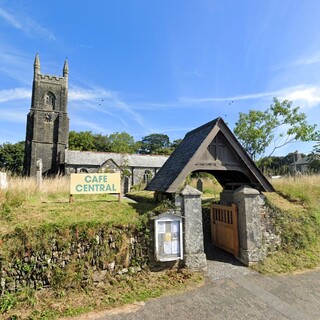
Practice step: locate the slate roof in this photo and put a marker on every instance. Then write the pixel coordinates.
(173, 173)
(302, 161)
(88, 158)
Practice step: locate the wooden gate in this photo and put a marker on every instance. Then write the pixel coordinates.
(224, 227)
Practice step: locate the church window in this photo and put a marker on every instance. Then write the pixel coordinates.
(50, 100)
(147, 176)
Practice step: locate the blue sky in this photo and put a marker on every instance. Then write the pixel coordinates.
(161, 66)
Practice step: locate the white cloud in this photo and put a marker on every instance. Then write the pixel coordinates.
(307, 95)
(250, 96)
(15, 64)
(18, 116)
(302, 61)
(10, 19)
(76, 121)
(14, 94)
(80, 94)
(100, 99)
(26, 24)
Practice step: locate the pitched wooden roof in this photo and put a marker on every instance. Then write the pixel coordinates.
(210, 148)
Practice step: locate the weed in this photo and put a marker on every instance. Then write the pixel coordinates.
(7, 302)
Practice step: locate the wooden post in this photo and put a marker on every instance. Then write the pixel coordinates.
(119, 197)
(71, 198)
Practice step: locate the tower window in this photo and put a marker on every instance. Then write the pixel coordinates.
(50, 100)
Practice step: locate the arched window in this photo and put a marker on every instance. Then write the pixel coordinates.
(147, 176)
(49, 100)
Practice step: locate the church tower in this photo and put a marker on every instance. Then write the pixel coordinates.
(47, 122)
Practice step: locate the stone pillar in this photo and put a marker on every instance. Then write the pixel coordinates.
(194, 256)
(39, 173)
(3, 181)
(249, 202)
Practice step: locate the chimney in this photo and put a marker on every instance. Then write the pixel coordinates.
(297, 156)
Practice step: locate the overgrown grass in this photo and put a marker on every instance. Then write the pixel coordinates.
(32, 215)
(23, 205)
(53, 304)
(298, 222)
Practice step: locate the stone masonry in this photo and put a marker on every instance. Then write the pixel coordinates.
(194, 256)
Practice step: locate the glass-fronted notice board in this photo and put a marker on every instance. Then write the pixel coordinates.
(168, 237)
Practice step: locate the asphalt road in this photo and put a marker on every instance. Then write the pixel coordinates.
(232, 291)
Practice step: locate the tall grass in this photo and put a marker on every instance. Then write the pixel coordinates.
(29, 185)
(24, 204)
(298, 221)
(303, 189)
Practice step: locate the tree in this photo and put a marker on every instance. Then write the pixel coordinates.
(82, 141)
(175, 143)
(101, 143)
(314, 157)
(11, 157)
(122, 143)
(277, 165)
(280, 124)
(155, 143)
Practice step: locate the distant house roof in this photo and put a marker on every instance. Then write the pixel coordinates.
(88, 158)
(210, 148)
(302, 161)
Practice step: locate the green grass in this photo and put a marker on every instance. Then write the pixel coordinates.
(125, 289)
(19, 211)
(298, 221)
(29, 218)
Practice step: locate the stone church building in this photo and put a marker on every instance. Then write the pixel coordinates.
(47, 136)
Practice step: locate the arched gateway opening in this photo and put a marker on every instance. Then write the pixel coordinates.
(212, 148)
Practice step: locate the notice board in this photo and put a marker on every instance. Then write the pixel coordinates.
(168, 237)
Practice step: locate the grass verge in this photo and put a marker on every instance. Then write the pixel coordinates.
(124, 289)
(297, 220)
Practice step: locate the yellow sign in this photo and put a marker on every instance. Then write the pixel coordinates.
(91, 183)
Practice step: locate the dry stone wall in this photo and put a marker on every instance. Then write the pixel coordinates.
(85, 256)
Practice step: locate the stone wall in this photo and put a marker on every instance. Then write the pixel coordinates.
(257, 235)
(85, 257)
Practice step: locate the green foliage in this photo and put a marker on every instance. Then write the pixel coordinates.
(276, 165)
(314, 165)
(7, 302)
(175, 143)
(101, 143)
(88, 141)
(155, 143)
(314, 157)
(140, 195)
(11, 157)
(281, 124)
(81, 141)
(122, 142)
